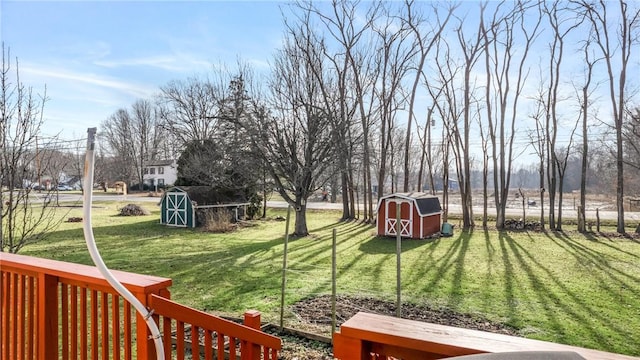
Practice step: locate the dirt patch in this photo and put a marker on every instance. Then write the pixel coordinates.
(317, 311)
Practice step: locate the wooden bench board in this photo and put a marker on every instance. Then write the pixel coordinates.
(449, 340)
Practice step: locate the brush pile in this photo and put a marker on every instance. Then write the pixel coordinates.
(133, 210)
(512, 224)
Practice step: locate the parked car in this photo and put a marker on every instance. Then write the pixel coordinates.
(62, 187)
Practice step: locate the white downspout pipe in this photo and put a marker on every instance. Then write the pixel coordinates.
(95, 254)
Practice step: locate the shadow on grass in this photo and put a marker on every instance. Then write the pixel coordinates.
(211, 271)
(387, 245)
(610, 278)
(552, 294)
(440, 268)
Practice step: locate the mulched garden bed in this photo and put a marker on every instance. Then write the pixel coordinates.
(317, 310)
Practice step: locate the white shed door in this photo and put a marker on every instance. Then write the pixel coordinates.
(406, 220)
(176, 209)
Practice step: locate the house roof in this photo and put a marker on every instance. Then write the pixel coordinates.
(427, 204)
(159, 162)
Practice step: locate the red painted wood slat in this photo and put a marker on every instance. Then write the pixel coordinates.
(5, 314)
(14, 316)
(115, 327)
(74, 323)
(31, 319)
(84, 325)
(64, 316)
(127, 331)
(208, 345)
(94, 324)
(104, 325)
(220, 342)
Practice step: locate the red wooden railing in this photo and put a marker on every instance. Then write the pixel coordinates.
(371, 336)
(57, 310)
(219, 336)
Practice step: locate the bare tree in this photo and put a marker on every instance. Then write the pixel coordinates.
(115, 131)
(501, 35)
(583, 97)
(296, 138)
(539, 144)
(562, 22)
(423, 43)
(21, 119)
(443, 92)
(471, 48)
(146, 134)
(484, 143)
(133, 137)
(190, 109)
(392, 64)
(632, 139)
(345, 99)
(426, 155)
(616, 47)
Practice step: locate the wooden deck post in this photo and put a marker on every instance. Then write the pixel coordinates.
(250, 351)
(47, 316)
(144, 341)
(345, 347)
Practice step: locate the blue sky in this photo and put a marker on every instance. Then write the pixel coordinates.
(96, 57)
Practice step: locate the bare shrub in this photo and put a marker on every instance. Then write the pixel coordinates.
(216, 220)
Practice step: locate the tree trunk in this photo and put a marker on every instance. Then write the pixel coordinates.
(352, 199)
(346, 215)
(542, 191)
(560, 197)
(551, 173)
(301, 219)
(585, 149)
(620, 185)
(485, 188)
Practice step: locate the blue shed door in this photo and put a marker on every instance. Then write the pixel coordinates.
(176, 209)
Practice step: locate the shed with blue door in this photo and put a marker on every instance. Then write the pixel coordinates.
(191, 206)
(177, 209)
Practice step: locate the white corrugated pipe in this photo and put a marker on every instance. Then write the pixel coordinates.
(95, 254)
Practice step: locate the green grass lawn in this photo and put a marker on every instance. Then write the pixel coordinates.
(568, 288)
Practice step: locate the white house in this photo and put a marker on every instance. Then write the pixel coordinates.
(160, 173)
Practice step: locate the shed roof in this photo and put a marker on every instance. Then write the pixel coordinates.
(207, 195)
(427, 204)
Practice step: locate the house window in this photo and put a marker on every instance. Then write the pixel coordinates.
(161, 170)
(146, 171)
(161, 182)
(152, 171)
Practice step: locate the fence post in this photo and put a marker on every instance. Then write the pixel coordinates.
(47, 316)
(334, 273)
(398, 255)
(250, 351)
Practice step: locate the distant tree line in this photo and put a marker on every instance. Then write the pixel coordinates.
(367, 98)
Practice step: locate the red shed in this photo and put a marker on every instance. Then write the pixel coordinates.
(420, 215)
